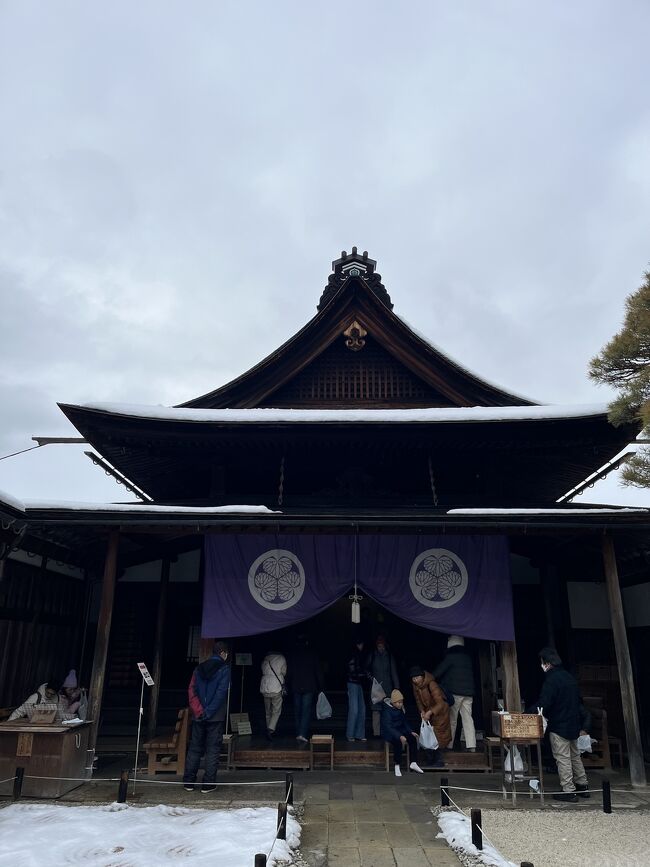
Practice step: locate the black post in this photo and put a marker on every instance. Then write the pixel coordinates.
(260, 861)
(477, 834)
(122, 787)
(444, 794)
(18, 783)
(527, 864)
(607, 797)
(288, 788)
(282, 821)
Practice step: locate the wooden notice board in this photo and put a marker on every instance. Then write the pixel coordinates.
(521, 725)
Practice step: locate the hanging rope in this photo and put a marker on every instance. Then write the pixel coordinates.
(281, 485)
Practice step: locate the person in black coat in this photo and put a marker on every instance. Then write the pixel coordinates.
(357, 676)
(567, 718)
(395, 730)
(456, 674)
(305, 681)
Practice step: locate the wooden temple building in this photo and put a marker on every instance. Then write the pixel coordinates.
(356, 425)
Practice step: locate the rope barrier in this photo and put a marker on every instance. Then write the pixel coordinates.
(153, 782)
(8, 780)
(500, 791)
(286, 800)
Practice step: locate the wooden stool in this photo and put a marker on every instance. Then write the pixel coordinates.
(167, 755)
(387, 748)
(323, 741)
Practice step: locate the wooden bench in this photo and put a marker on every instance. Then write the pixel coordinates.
(322, 741)
(167, 755)
(387, 749)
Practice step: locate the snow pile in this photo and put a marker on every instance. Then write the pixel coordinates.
(14, 502)
(140, 508)
(124, 836)
(456, 829)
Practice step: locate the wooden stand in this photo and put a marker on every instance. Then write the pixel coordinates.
(521, 730)
(50, 751)
(323, 741)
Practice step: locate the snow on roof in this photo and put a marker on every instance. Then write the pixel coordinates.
(139, 507)
(13, 502)
(349, 416)
(558, 511)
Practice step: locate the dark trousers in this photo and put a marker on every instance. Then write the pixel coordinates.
(398, 748)
(302, 703)
(206, 739)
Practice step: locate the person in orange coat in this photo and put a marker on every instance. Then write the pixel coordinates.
(432, 704)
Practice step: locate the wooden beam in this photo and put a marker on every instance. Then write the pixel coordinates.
(512, 694)
(154, 694)
(625, 676)
(98, 675)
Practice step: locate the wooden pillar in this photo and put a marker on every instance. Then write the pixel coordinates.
(512, 694)
(154, 693)
(626, 679)
(103, 635)
(547, 592)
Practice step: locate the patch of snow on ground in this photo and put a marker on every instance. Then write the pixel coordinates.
(119, 835)
(456, 829)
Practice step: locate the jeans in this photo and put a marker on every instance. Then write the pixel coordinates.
(398, 748)
(206, 738)
(302, 703)
(356, 727)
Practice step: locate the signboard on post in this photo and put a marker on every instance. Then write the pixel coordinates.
(521, 725)
(144, 671)
(243, 659)
(240, 723)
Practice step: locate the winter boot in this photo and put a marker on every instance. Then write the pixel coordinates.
(571, 797)
(582, 790)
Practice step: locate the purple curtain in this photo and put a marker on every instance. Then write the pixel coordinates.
(454, 584)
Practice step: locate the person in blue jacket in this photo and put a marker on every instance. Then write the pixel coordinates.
(208, 695)
(395, 730)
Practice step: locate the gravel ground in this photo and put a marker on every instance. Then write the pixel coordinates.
(571, 838)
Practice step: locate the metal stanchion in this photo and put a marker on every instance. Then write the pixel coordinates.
(18, 783)
(527, 864)
(444, 794)
(607, 797)
(288, 788)
(260, 860)
(122, 787)
(282, 821)
(477, 834)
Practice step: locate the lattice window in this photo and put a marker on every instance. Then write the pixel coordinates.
(370, 376)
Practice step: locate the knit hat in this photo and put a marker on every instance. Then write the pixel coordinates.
(71, 680)
(416, 671)
(396, 695)
(455, 641)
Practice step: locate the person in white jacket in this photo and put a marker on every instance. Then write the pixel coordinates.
(274, 675)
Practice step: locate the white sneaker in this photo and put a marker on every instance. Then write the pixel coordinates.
(415, 767)
(398, 771)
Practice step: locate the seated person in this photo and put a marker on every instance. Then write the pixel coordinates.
(67, 698)
(396, 730)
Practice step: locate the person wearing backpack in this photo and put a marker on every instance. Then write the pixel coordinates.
(456, 674)
(208, 695)
(272, 687)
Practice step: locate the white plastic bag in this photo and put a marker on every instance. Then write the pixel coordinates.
(377, 692)
(540, 711)
(428, 739)
(584, 744)
(519, 763)
(323, 707)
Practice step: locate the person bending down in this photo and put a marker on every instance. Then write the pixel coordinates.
(395, 730)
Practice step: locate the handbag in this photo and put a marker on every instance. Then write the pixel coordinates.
(283, 689)
(428, 739)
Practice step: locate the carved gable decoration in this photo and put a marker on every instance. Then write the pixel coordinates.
(355, 334)
(341, 378)
(354, 265)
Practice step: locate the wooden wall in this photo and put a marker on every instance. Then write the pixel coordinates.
(41, 628)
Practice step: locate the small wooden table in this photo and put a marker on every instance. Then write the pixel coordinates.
(323, 741)
(51, 752)
(521, 730)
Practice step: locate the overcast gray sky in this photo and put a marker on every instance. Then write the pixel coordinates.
(175, 179)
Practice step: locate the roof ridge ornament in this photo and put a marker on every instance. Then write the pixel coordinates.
(358, 265)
